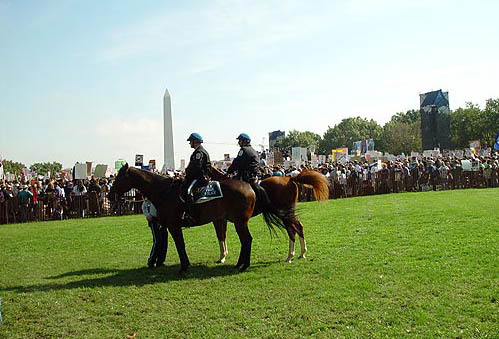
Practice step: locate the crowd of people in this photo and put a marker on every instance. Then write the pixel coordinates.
(30, 200)
(361, 177)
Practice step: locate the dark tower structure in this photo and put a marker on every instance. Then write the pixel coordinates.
(274, 136)
(435, 119)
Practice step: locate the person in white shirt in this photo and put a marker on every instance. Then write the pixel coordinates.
(159, 235)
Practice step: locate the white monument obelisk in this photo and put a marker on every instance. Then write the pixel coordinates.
(168, 132)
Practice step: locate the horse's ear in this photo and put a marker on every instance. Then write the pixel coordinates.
(126, 165)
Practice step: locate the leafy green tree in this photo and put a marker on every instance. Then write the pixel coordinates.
(409, 117)
(299, 139)
(400, 137)
(44, 167)
(12, 166)
(348, 131)
(490, 120)
(465, 125)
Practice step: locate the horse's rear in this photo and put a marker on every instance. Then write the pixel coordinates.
(283, 193)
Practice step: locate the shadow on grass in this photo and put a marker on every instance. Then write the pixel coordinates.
(131, 277)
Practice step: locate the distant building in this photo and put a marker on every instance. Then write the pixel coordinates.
(435, 120)
(274, 136)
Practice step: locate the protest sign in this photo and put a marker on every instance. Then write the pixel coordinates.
(100, 171)
(466, 165)
(152, 164)
(139, 159)
(89, 168)
(80, 171)
(118, 164)
(303, 154)
(427, 153)
(296, 153)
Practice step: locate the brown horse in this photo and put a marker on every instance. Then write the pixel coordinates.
(283, 193)
(237, 206)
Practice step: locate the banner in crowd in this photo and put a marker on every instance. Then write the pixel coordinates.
(339, 153)
(496, 142)
(356, 148)
(80, 171)
(100, 171)
(139, 159)
(370, 145)
(361, 147)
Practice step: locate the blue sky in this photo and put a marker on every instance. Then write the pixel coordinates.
(84, 80)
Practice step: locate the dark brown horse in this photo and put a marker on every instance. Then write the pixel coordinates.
(237, 206)
(283, 193)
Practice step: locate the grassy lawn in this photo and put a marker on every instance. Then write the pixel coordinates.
(401, 265)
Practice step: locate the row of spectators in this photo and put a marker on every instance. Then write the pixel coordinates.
(354, 178)
(22, 201)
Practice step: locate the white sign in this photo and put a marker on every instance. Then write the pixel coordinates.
(427, 153)
(466, 165)
(80, 171)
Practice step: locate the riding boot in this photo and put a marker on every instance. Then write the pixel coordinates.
(188, 217)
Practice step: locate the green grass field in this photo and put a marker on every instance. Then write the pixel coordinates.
(402, 265)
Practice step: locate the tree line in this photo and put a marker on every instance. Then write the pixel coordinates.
(42, 168)
(402, 134)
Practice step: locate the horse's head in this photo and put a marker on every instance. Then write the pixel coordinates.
(122, 183)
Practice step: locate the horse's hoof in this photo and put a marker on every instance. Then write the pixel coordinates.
(243, 267)
(302, 256)
(220, 261)
(289, 260)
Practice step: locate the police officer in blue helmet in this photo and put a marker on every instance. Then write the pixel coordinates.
(197, 174)
(246, 164)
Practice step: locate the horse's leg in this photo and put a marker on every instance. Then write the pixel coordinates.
(291, 234)
(178, 237)
(245, 238)
(221, 230)
(301, 236)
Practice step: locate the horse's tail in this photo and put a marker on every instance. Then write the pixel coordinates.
(316, 180)
(271, 215)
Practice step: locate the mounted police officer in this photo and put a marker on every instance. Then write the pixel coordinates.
(246, 164)
(197, 173)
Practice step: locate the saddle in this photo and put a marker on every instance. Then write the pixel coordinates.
(206, 193)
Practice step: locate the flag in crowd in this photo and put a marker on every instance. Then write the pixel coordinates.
(496, 143)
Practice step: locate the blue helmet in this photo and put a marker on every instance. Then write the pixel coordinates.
(244, 136)
(195, 137)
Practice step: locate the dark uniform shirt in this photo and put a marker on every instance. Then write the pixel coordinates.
(199, 166)
(245, 164)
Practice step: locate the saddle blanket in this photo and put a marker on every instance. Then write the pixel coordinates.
(207, 193)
